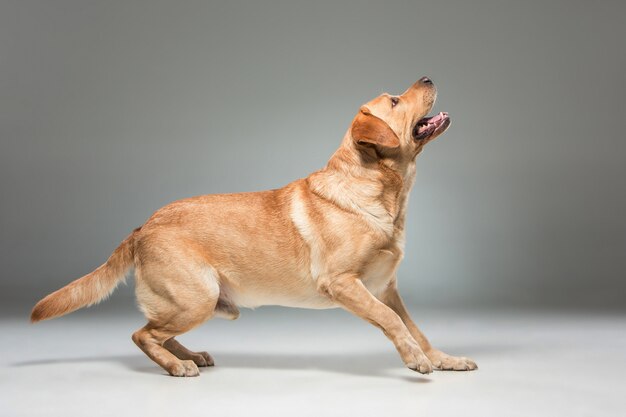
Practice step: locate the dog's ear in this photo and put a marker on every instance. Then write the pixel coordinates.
(367, 128)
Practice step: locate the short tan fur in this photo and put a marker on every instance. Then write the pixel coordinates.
(333, 239)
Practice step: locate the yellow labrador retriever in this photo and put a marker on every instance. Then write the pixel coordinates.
(333, 239)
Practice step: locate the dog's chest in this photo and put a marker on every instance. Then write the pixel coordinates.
(380, 271)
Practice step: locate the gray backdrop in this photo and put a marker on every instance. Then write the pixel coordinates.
(109, 110)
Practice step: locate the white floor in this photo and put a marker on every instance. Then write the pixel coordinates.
(318, 363)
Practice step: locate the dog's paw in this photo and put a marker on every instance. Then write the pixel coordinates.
(420, 363)
(414, 357)
(445, 362)
(184, 368)
(203, 359)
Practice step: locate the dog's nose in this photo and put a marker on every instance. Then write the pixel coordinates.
(425, 81)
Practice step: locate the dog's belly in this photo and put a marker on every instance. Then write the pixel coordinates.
(376, 278)
(251, 298)
(288, 288)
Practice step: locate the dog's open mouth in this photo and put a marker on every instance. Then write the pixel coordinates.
(429, 126)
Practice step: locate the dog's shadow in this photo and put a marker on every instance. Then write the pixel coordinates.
(374, 364)
(383, 364)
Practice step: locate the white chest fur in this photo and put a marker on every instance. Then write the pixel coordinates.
(380, 272)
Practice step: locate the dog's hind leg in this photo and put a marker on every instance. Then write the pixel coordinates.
(224, 308)
(151, 338)
(175, 297)
(182, 353)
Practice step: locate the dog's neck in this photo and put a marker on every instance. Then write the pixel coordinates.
(364, 181)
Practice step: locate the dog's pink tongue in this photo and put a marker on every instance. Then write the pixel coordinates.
(437, 118)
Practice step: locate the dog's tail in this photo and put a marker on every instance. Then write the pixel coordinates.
(90, 289)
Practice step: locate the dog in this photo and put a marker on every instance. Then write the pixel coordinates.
(333, 239)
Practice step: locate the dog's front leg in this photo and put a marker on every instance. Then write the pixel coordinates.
(349, 292)
(439, 359)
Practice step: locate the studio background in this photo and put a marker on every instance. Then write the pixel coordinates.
(110, 110)
(516, 231)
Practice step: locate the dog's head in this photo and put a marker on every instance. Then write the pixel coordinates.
(397, 126)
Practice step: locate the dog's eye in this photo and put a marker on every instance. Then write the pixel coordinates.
(394, 101)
